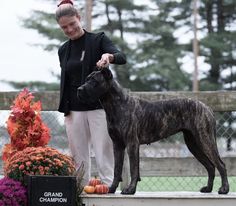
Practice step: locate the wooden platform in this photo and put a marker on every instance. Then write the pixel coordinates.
(160, 199)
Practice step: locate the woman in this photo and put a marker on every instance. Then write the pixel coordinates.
(85, 123)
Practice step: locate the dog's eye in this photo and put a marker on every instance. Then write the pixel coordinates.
(90, 76)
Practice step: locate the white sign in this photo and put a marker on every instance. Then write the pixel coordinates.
(53, 197)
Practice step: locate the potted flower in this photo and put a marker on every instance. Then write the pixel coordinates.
(12, 193)
(38, 161)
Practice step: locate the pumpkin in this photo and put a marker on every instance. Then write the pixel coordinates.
(89, 189)
(94, 181)
(101, 189)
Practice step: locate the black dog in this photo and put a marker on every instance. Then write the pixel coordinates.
(133, 121)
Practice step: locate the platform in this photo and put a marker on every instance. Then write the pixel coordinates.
(160, 199)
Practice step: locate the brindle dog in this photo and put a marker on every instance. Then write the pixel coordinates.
(133, 121)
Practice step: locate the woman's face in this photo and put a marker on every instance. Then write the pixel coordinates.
(71, 26)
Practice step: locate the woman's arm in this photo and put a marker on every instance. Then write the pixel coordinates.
(111, 54)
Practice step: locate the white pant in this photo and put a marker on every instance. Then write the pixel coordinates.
(86, 128)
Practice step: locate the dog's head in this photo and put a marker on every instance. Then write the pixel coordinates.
(95, 86)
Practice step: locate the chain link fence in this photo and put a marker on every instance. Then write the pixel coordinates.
(171, 147)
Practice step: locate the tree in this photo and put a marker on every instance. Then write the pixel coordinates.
(151, 62)
(124, 21)
(45, 24)
(154, 56)
(218, 46)
(121, 22)
(217, 20)
(160, 51)
(219, 49)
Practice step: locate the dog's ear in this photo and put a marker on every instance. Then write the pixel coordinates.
(107, 73)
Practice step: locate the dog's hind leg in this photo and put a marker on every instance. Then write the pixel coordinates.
(224, 189)
(119, 160)
(133, 153)
(211, 151)
(200, 155)
(214, 157)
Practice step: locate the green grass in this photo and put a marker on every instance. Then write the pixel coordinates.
(155, 184)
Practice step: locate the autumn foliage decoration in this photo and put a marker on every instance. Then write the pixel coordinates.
(25, 125)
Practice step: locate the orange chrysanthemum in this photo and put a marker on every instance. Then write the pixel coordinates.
(38, 161)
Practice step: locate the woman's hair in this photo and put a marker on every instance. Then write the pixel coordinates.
(66, 8)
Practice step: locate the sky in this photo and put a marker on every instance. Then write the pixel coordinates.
(19, 60)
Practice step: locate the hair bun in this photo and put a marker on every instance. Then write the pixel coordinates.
(65, 2)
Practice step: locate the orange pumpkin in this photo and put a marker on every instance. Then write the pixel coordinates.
(101, 189)
(89, 189)
(94, 181)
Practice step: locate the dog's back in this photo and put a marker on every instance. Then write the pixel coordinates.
(161, 119)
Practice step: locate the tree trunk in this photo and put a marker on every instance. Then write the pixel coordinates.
(109, 24)
(88, 14)
(214, 73)
(120, 23)
(209, 17)
(220, 17)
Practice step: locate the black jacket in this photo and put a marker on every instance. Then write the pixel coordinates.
(95, 46)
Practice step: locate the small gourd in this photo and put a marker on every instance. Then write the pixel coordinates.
(94, 181)
(101, 189)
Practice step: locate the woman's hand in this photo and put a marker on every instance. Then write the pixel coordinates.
(105, 60)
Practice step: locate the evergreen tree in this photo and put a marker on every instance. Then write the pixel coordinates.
(125, 22)
(218, 46)
(160, 51)
(122, 25)
(147, 37)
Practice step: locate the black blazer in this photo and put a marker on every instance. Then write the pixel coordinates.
(95, 46)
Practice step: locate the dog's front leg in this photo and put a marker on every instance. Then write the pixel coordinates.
(119, 160)
(133, 152)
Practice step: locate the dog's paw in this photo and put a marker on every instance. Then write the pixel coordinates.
(128, 191)
(206, 189)
(224, 190)
(112, 190)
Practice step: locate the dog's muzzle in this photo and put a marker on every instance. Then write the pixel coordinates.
(81, 94)
(84, 97)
